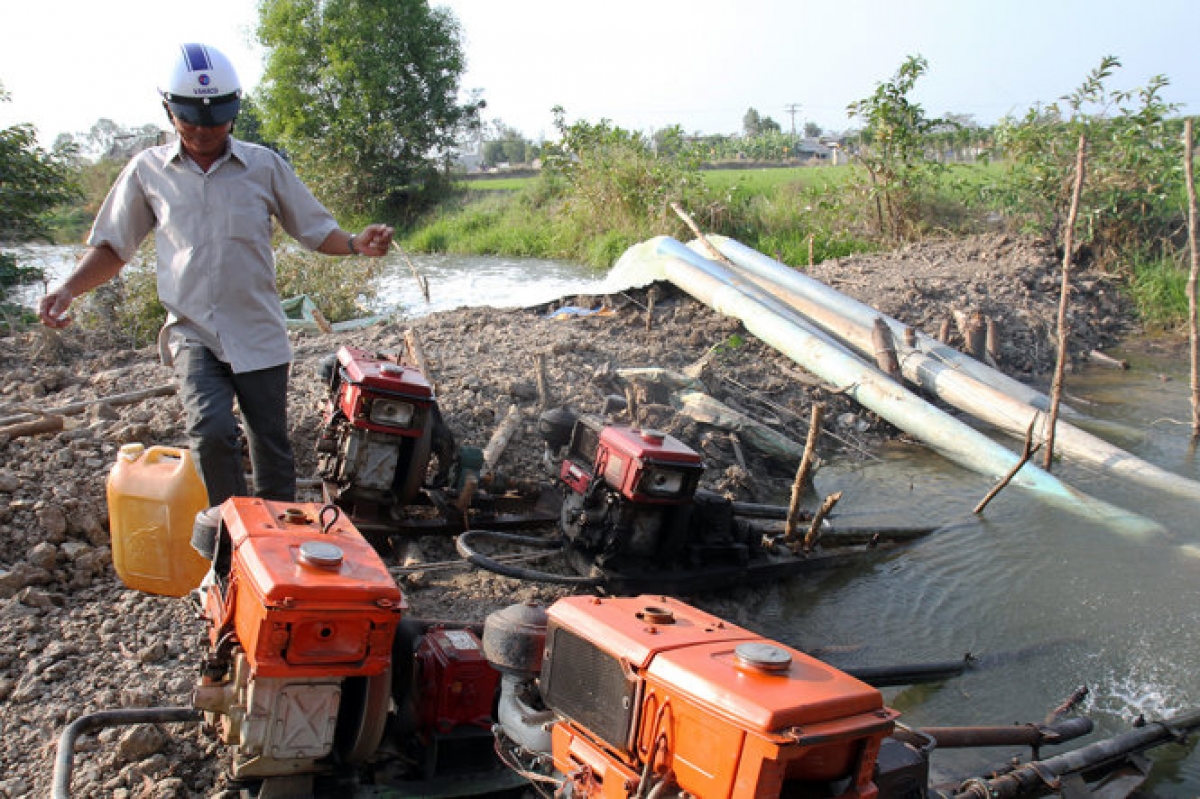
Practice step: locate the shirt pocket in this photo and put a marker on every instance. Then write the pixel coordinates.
(249, 223)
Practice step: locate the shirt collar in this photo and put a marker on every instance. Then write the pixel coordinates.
(237, 149)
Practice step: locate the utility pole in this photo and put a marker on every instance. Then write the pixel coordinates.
(792, 109)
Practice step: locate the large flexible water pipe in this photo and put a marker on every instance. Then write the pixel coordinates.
(715, 286)
(955, 378)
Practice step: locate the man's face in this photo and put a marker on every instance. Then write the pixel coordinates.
(202, 140)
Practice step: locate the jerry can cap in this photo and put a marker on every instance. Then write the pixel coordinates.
(131, 452)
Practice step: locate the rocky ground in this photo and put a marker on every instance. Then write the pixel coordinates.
(74, 640)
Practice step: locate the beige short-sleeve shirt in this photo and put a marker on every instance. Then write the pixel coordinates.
(216, 264)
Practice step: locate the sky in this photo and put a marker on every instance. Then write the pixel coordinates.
(641, 64)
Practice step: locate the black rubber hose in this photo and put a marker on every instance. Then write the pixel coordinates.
(65, 757)
(464, 546)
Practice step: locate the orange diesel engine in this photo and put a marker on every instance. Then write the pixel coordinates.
(302, 616)
(651, 697)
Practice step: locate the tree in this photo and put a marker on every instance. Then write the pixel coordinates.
(1134, 165)
(891, 146)
(505, 145)
(753, 124)
(361, 94)
(33, 182)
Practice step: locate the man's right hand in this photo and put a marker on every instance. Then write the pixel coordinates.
(53, 308)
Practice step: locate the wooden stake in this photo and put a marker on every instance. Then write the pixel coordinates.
(944, 332)
(1193, 331)
(738, 454)
(412, 341)
(500, 438)
(1026, 453)
(631, 404)
(810, 250)
(1063, 300)
(543, 385)
(651, 296)
(992, 347)
(322, 323)
(885, 349)
(804, 471)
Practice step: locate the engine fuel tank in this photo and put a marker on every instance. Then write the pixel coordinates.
(310, 596)
(726, 711)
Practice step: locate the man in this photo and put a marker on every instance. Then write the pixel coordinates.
(210, 200)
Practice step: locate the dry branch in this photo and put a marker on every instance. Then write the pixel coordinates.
(47, 424)
(1026, 453)
(814, 530)
(543, 384)
(708, 245)
(125, 398)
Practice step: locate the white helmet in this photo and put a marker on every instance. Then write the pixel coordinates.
(202, 87)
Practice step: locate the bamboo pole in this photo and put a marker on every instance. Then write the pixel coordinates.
(1193, 331)
(421, 281)
(1064, 298)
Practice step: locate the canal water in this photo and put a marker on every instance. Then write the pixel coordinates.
(1043, 600)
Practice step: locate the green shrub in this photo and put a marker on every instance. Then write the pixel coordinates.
(1158, 287)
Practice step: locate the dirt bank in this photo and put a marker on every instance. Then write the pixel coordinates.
(73, 640)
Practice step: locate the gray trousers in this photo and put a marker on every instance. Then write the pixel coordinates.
(208, 388)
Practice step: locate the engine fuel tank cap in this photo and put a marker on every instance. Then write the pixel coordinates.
(321, 554)
(763, 657)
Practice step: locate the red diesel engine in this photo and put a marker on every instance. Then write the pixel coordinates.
(381, 422)
(631, 503)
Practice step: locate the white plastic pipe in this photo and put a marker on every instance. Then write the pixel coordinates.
(714, 285)
(957, 379)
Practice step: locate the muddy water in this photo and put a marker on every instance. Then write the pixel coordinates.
(1045, 601)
